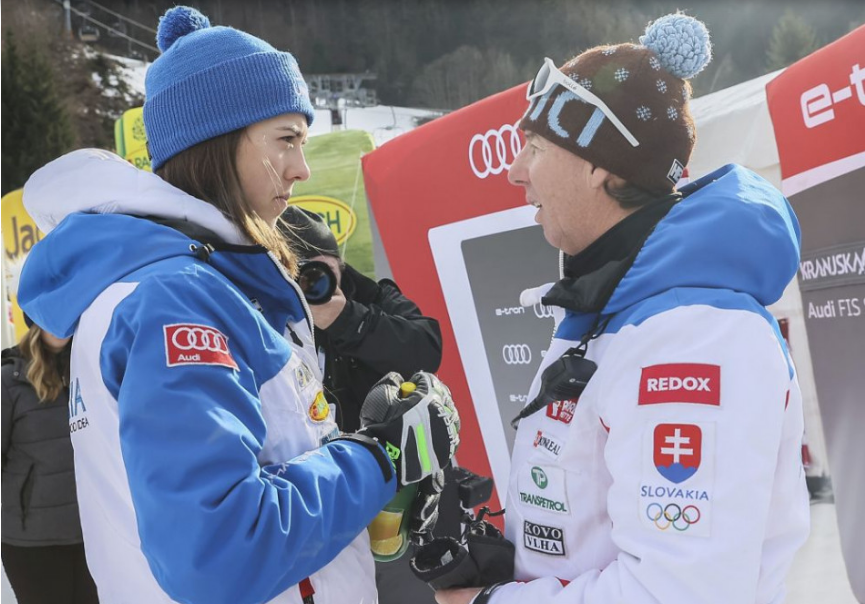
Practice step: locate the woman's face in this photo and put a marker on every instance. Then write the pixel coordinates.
(270, 160)
(53, 343)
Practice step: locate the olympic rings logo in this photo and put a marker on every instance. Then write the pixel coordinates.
(496, 152)
(673, 515)
(199, 338)
(542, 311)
(517, 354)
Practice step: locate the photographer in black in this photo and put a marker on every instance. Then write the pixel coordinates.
(363, 329)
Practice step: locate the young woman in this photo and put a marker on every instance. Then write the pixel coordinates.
(43, 551)
(209, 464)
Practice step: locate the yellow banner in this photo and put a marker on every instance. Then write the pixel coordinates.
(337, 214)
(20, 234)
(130, 138)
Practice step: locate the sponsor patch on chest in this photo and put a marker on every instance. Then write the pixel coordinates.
(543, 487)
(319, 410)
(303, 375)
(547, 443)
(562, 411)
(543, 539)
(681, 383)
(192, 344)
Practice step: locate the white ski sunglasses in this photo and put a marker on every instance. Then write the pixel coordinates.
(549, 75)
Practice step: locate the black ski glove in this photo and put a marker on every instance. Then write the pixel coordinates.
(425, 508)
(487, 558)
(416, 422)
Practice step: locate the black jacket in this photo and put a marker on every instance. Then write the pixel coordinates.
(40, 506)
(378, 331)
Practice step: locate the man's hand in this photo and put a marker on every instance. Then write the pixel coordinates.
(457, 596)
(323, 315)
(416, 422)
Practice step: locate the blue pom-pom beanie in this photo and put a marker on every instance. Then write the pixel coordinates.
(211, 80)
(646, 86)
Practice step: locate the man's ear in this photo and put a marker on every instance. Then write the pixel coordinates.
(598, 176)
(601, 177)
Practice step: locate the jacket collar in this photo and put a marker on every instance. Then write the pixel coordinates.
(591, 277)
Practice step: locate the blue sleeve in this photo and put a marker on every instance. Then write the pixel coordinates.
(214, 525)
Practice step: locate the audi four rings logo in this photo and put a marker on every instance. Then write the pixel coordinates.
(493, 151)
(673, 515)
(189, 344)
(517, 354)
(542, 311)
(199, 338)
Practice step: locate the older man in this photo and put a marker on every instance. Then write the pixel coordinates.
(673, 463)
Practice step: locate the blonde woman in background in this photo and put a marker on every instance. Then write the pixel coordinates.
(43, 550)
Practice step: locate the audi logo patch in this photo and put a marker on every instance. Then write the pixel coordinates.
(188, 344)
(494, 151)
(517, 354)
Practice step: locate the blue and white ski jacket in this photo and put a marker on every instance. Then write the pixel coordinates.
(201, 435)
(676, 477)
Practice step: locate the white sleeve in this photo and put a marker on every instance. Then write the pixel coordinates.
(695, 401)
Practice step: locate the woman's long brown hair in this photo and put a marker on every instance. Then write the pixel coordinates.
(46, 371)
(208, 171)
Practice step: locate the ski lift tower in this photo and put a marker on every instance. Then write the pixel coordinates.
(338, 92)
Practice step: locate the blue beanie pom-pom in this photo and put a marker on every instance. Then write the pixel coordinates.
(176, 23)
(681, 44)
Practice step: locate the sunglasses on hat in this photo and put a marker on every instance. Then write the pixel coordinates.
(549, 75)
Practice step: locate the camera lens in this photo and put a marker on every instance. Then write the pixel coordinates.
(317, 282)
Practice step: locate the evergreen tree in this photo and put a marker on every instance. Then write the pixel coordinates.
(36, 127)
(792, 39)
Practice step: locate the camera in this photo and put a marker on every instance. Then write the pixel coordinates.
(472, 489)
(317, 281)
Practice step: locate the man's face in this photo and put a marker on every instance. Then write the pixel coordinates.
(566, 190)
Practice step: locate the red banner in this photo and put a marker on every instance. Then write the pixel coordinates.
(449, 170)
(818, 113)
(818, 106)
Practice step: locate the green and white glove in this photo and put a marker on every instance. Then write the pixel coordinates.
(416, 422)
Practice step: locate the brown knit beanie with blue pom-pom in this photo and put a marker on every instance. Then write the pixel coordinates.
(645, 85)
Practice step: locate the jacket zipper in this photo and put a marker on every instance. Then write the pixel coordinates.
(300, 295)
